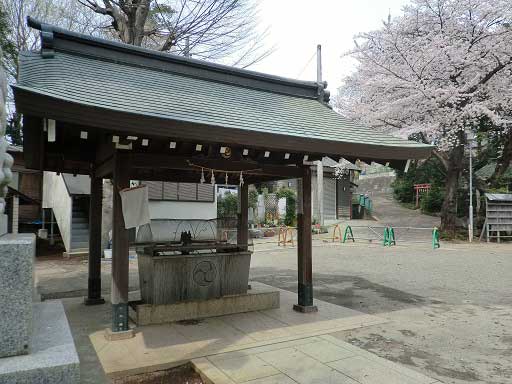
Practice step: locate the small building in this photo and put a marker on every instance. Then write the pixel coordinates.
(498, 218)
(336, 191)
(485, 173)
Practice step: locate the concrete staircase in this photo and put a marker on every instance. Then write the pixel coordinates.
(375, 184)
(79, 230)
(344, 212)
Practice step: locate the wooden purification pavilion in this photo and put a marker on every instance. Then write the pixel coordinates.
(110, 110)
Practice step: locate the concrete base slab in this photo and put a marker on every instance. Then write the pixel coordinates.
(53, 357)
(256, 300)
(114, 336)
(163, 346)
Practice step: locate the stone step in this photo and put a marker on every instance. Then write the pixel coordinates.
(79, 244)
(81, 253)
(80, 231)
(79, 239)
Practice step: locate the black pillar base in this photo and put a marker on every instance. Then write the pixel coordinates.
(94, 300)
(305, 309)
(305, 304)
(120, 317)
(94, 292)
(305, 293)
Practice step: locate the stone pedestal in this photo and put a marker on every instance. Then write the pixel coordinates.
(3, 223)
(36, 345)
(53, 358)
(17, 254)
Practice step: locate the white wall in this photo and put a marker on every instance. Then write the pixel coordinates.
(56, 196)
(183, 210)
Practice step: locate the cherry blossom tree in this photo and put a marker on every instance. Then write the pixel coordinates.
(440, 68)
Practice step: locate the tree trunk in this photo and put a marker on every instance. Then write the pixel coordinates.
(449, 208)
(128, 19)
(503, 161)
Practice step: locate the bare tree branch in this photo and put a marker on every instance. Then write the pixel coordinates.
(209, 29)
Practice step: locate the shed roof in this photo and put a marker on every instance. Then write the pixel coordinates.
(497, 197)
(328, 162)
(168, 95)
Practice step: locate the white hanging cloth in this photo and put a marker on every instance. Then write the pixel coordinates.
(135, 204)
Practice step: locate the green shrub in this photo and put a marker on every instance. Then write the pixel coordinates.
(227, 205)
(428, 172)
(433, 201)
(403, 190)
(290, 217)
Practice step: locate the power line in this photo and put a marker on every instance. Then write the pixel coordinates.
(305, 66)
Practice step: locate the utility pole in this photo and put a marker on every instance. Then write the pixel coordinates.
(319, 165)
(319, 64)
(469, 138)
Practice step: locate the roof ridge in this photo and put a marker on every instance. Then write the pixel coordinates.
(60, 39)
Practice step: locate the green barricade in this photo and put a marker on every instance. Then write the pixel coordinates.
(389, 236)
(435, 238)
(346, 236)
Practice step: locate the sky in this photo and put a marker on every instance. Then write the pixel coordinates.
(297, 26)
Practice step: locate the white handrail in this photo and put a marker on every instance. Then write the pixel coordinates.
(56, 197)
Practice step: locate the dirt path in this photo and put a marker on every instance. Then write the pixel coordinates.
(388, 211)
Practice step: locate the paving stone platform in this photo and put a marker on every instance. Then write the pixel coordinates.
(262, 347)
(321, 359)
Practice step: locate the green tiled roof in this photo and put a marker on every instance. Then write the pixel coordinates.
(487, 170)
(159, 92)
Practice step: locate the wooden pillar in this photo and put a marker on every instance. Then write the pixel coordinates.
(304, 245)
(95, 209)
(120, 247)
(243, 217)
(320, 190)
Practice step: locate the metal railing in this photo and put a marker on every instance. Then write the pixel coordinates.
(366, 202)
(386, 234)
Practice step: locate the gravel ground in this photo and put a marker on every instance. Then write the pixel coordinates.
(450, 309)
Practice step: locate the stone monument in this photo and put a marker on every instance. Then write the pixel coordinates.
(36, 345)
(6, 160)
